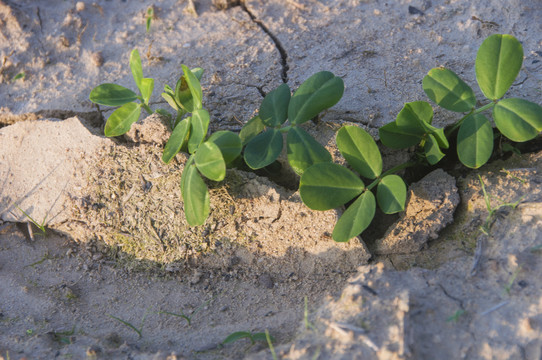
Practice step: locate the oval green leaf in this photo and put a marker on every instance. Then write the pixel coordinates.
(517, 119)
(195, 88)
(327, 186)
(195, 196)
(440, 136)
(210, 162)
(146, 88)
(432, 150)
(447, 90)
(319, 92)
(263, 149)
(176, 140)
(475, 141)
(198, 129)
(274, 107)
(252, 128)
(228, 143)
(415, 118)
(360, 151)
(497, 64)
(356, 218)
(182, 94)
(393, 137)
(112, 95)
(135, 66)
(391, 194)
(121, 120)
(304, 151)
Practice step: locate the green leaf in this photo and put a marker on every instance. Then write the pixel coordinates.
(135, 66)
(261, 337)
(112, 95)
(447, 90)
(360, 151)
(198, 129)
(228, 143)
(233, 337)
(195, 88)
(327, 186)
(176, 140)
(440, 136)
(391, 194)
(432, 150)
(497, 64)
(392, 137)
(319, 92)
(517, 119)
(171, 100)
(303, 151)
(475, 141)
(147, 86)
(263, 149)
(183, 96)
(252, 128)
(122, 119)
(415, 118)
(210, 162)
(274, 107)
(195, 195)
(356, 218)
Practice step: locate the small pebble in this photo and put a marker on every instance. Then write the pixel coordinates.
(79, 6)
(97, 59)
(266, 281)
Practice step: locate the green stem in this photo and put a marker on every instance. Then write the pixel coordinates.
(147, 108)
(473, 112)
(285, 129)
(393, 170)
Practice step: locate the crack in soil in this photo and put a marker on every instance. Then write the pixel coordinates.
(276, 41)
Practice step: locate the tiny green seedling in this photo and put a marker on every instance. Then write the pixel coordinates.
(120, 121)
(455, 317)
(511, 281)
(492, 210)
(149, 17)
(308, 324)
(188, 318)
(270, 344)
(38, 225)
(20, 75)
(139, 330)
(253, 337)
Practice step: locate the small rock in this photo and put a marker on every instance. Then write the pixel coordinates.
(151, 130)
(431, 207)
(97, 59)
(196, 277)
(414, 11)
(266, 281)
(79, 6)
(225, 4)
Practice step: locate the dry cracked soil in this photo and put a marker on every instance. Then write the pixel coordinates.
(119, 274)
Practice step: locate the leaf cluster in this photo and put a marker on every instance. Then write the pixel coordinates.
(281, 112)
(497, 65)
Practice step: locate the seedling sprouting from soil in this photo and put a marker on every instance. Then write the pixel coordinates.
(492, 210)
(38, 225)
(120, 121)
(253, 337)
(149, 17)
(325, 185)
(189, 317)
(497, 65)
(139, 330)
